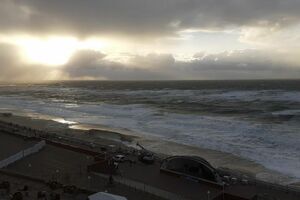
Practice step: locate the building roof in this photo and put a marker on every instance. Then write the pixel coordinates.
(105, 196)
(195, 158)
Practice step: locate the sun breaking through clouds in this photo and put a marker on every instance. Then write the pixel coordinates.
(149, 39)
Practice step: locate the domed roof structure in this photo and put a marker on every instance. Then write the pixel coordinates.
(191, 166)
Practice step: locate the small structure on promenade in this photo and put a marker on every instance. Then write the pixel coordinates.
(145, 156)
(105, 196)
(192, 167)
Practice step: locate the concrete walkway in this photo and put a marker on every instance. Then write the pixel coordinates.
(143, 187)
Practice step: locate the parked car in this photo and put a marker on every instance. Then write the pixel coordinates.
(119, 158)
(146, 157)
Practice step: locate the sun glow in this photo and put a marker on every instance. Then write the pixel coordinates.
(53, 51)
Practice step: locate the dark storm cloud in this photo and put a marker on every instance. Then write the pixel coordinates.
(249, 64)
(91, 64)
(141, 17)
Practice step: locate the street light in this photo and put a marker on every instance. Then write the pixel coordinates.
(89, 180)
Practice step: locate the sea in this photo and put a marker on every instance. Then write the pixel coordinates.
(258, 120)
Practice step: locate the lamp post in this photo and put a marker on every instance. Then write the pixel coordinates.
(29, 168)
(223, 188)
(208, 195)
(89, 180)
(57, 175)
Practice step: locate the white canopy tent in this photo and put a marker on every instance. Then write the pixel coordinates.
(105, 196)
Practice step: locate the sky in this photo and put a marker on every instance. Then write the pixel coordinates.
(149, 39)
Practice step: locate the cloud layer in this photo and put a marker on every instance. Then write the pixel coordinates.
(247, 64)
(142, 17)
(265, 24)
(87, 64)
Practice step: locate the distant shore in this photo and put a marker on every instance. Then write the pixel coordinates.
(98, 136)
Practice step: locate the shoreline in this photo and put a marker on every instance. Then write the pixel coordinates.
(103, 137)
